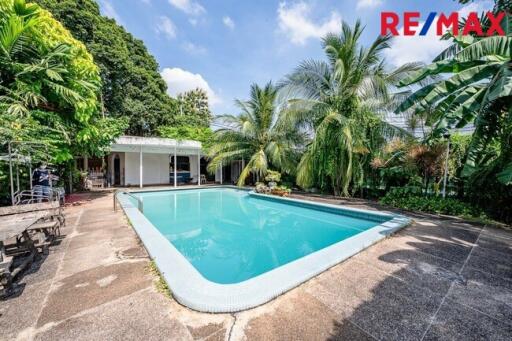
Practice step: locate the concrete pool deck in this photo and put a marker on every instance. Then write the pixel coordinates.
(437, 279)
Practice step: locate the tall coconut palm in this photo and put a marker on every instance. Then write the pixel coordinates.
(340, 102)
(257, 136)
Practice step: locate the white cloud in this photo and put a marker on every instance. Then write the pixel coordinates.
(405, 49)
(193, 49)
(368, 3)
(166, 27)
(193, 21)
(417, 48)
(296, 22)
(188, 6)
(179, 81)
(147, 2)
(228, 22)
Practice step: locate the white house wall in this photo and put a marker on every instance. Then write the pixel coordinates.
(155, 169)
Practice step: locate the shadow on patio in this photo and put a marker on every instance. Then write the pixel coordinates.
(452, 281)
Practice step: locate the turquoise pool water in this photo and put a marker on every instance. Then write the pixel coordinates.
(230, 236)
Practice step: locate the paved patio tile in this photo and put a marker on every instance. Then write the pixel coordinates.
(457, 322)
(484, 292)
(446, 249)
(419, 269)
(493, 262)
(18, 314)
(143, 315)
(498, 232)
(93, 287)
(503, 245)
(380, 304)
(301, 317)
(444, 232)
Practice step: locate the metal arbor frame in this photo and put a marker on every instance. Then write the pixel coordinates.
(10, 157)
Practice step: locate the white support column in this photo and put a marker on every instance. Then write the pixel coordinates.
(199, 167)
(175, 168)
(141, 174)
(221, 179)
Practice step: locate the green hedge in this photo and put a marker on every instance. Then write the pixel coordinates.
(410, 199)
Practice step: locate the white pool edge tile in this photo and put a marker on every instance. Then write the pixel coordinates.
(191, 289)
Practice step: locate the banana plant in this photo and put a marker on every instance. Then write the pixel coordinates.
(475, 88)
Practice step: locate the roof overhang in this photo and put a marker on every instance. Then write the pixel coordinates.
(155, 145)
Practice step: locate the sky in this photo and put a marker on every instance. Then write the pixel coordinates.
(224, 46)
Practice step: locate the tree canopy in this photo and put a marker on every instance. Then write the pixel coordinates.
(132, 85)
(49, 84)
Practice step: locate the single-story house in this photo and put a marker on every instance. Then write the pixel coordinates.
(144, 161)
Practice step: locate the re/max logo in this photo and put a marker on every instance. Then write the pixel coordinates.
(389, 22)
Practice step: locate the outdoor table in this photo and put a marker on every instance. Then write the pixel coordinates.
(16, 227)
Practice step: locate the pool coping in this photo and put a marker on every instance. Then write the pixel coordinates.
(191, 289)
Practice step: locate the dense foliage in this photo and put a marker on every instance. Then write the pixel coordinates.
(185, 132)
(413, 200)
(132, 86)
(49, 90)
(49, 85)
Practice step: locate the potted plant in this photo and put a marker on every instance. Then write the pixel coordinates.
(281, 191)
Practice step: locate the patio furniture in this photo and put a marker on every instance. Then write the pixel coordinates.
(15, 240)
(25, 229)
(181, 177)
(49, 210)
(97, 179)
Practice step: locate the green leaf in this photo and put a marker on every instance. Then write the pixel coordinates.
(505, 176)
(495, 45)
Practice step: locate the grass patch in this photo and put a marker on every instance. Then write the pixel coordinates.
(160, 283)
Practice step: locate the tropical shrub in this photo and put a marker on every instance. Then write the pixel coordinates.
(411, 199)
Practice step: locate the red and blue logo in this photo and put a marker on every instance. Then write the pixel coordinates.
(390, 21)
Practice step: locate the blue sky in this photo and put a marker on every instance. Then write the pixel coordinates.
(224, 46)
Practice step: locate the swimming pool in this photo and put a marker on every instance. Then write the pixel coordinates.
(227, 249)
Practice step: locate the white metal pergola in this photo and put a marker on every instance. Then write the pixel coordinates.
(13, 157)
(156, 145)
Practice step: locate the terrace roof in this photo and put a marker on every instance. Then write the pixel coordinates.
(156, 145)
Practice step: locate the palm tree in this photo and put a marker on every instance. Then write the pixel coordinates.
(256, 135)
(341, 103)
